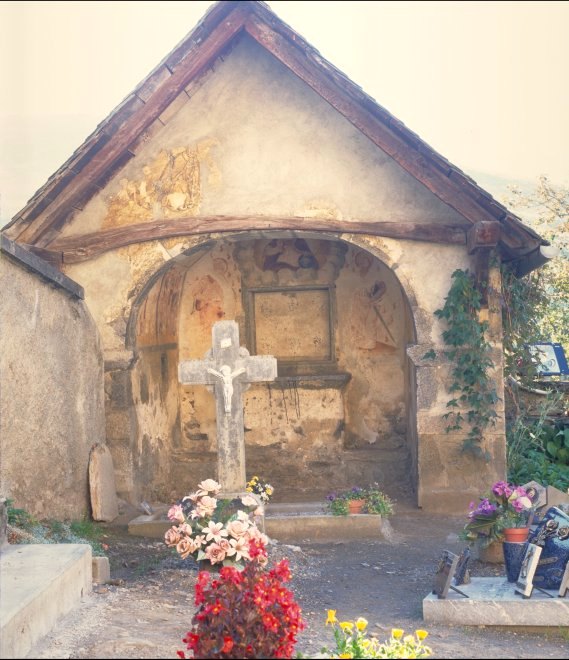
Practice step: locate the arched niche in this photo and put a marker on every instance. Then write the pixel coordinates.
(338, 320)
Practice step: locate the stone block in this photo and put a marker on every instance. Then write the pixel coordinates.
(494, 602)
(104, 502)
(40, 584)
(101, 570)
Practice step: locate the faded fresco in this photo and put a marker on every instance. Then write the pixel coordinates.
(170, 186)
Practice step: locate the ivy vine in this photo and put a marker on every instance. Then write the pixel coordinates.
(474, 396)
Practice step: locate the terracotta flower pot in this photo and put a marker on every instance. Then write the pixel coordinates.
(355, 506)
(516, 534)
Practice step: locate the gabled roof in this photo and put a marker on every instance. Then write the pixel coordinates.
(114, 141)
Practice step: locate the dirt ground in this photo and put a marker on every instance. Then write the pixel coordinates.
(148, 609)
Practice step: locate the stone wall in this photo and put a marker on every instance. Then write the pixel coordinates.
(51, 398)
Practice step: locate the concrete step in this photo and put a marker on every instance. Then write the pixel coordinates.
(39, 585)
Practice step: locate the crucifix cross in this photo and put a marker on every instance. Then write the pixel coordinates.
(230, 369)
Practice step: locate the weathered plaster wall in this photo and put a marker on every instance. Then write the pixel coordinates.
(51, 399)
(253, 139)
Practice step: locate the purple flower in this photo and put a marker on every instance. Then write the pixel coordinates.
(502, 489)
(485, 508)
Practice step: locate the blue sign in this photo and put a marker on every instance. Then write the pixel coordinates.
(551, 359)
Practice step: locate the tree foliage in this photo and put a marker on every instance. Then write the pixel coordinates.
(546, 210)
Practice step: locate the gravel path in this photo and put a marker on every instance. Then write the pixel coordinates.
(148, 610)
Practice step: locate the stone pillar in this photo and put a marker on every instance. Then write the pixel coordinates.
(3, 524)
(448, 479)
(119, 414)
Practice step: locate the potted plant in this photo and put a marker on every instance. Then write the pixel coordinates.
(360, 500)
(501, 515)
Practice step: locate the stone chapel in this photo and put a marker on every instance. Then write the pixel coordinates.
(247, 179)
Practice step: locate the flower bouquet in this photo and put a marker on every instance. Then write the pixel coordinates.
(214, 530)
(505, 507)
(260, 488)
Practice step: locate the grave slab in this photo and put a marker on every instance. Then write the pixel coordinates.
(493, 602)
(40, 584)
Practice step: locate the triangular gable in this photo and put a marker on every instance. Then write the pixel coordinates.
(112, 145)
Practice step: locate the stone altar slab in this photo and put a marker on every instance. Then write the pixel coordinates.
(493, 602)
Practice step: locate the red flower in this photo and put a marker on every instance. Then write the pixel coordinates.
(181, 654)
(227, 645)
(230, 574)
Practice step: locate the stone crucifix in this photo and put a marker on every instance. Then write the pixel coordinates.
(229, 368)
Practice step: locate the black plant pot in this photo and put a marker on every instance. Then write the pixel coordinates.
(513, 557)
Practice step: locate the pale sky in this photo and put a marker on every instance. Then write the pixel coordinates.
(484, 83)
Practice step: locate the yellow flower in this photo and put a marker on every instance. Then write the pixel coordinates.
(331, 617)
(345, 655)
(397, 633)
(346, 625)
(421, 634)
(361, 624)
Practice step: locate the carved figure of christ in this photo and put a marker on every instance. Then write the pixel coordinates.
(230, 369)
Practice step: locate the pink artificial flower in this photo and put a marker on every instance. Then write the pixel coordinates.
(206, 506)
(209, 486)
(185, 547)
(249, 500)
(237, 528)
(199, 541)
(239, 548)
(215, 553)
(176, 514)
(214, 531)
(172, 537)
(186, 529)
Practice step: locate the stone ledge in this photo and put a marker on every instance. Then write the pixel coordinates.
(493, 602)
(40, 584)
(288, 527)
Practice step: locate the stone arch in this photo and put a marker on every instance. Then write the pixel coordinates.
(150, 390)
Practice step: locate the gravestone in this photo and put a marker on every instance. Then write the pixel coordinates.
(462, 574)
(229, 368)
(104, 503)
(558, 498)
(444, 573)
(524, 585)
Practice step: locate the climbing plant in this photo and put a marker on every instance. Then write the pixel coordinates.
(474, 395)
